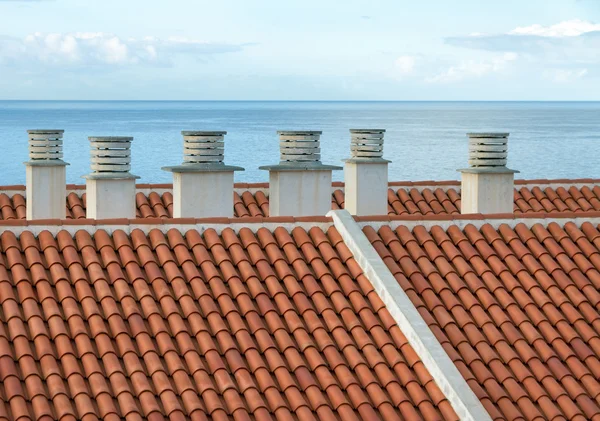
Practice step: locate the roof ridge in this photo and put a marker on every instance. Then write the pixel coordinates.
(459, 219)
(437, 361)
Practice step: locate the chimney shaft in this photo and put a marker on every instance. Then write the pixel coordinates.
(46, 175)
(110, 188)
(487, 186)
(300, 185)
(203, 184)
(366, 173)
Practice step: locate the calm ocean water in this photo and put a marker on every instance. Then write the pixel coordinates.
(425, 140)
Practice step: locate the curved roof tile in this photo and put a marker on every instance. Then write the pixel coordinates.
(198, 326)
(516, 309)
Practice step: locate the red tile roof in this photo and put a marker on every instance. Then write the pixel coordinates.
(402, 202)
(272, 325)
(517, 310)
(526, 200)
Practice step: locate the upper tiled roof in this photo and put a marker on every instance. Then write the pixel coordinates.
(439, 201)
(272, 325)
(517, 310)
(403, 199)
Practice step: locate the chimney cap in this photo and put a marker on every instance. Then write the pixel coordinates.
(110, 138)
(488, 135)
(45, 131)
(45, 148)
(299, 150)
(488, 153)
(367, 131)
(110, 157)
(203, 152)
(366, 146)
(203, 133)
(299, 132)
(196, 168)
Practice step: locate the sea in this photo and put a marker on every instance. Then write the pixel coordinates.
(424, 140)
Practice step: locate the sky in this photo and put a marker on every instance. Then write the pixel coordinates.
(300, 50)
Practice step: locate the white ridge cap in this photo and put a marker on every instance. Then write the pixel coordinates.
(199, 225)
(466, 405)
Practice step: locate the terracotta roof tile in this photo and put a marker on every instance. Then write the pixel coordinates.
(266, 325)
(516, 309)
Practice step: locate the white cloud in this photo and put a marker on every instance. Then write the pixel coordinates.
(568, 28)
(405, 65)
(473, 69)
(99, 48)
(564, 52)
(571, 40)
(565, 75)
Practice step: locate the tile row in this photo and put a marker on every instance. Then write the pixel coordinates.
(275, 325)
(517, 310)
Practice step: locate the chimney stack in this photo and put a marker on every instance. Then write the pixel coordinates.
(487, 185)
(366, 174)
(46, 175)
(110, 188)
(300, 185)
(203, 184)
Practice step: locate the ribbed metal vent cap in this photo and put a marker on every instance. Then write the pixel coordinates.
(299, 146)
(203, 147)
(45, 145)
(110, 154)
(366, 143)
(488, 149)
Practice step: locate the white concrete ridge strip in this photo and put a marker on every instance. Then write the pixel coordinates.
(164, 228)
(478, 223)
(18, 228)
(518, 186)
(421, 338)
(421, 187)
(554, 186)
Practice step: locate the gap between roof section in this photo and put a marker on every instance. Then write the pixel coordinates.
(478, 220)
(17, 226)
(421, 338)
(128, 225)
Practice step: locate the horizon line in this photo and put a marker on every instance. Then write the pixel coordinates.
(299, 100)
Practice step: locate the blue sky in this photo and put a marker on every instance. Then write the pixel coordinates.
(300, 50)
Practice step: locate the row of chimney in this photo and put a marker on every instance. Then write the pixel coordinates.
(300, 185)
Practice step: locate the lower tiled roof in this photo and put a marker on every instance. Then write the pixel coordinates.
(199, 326)
(403, 201)
(517, 310)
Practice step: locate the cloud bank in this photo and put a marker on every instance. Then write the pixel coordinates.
(574, 41)
(468, 69)
(405, 65)
(564, 52)
(569, 28)
(102, 49)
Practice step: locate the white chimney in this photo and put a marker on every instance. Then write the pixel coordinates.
(487, 185)
(300, 185)
(203, 184)
(366, 174)
(46, 175)
(110, 188)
